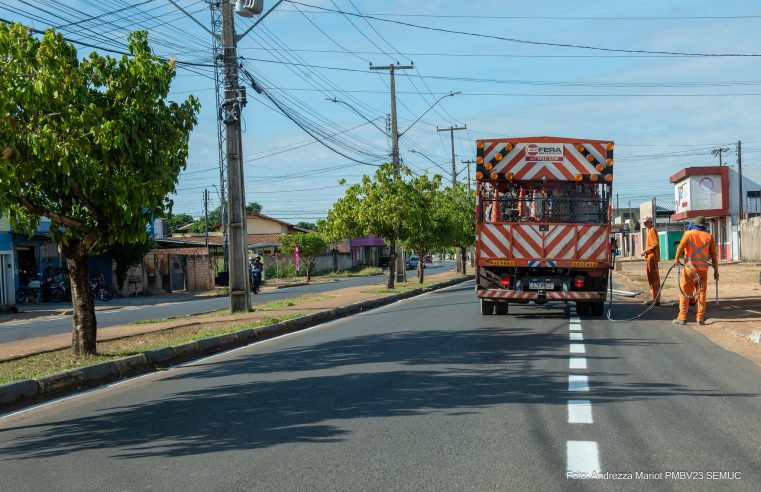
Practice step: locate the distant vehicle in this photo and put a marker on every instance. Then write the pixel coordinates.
(412, 263)
(428, 259)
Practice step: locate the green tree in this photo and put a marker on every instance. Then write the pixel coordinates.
(311, 245)
(94, 145)
(459, 205)
(174, 222)
(428, 220)
(381, 205)
(307, 225)
(127, 255)
(254, 207)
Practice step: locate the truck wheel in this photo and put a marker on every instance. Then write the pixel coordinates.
(500, 308)
(597, 308)
(487, 307)
(582, 308)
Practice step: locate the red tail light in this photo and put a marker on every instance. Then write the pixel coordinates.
(505, 282)
(578, 282)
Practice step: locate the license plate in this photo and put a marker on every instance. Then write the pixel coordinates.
(540, 286)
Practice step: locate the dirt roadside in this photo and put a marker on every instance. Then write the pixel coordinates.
(311, 304)
(734, 324)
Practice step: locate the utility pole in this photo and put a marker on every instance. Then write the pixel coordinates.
(401, 272)
(740, 172)
(451, 131)
(206, 220)
(468, 162)
(234, 99)
(718, 152)
(460, 262)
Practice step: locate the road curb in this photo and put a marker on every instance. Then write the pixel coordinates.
(28, 392)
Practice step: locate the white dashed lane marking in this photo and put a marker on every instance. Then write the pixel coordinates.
(576, 336)
(578, 383)
(579, 412)
(577, 348)
(582, 457)
(577, 363)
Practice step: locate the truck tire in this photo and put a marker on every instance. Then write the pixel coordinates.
(500, 308)
(598, 308)
(487, 307)
(582, 308)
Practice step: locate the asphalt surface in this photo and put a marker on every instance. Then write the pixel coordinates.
(425, 394)
(167, 307)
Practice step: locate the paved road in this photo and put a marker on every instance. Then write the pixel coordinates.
(425, 394)
(30, 328)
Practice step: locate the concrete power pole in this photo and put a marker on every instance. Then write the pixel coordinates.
(460, 261)
(401, 273)
(468, 162)
(240, 300)
(451, 131)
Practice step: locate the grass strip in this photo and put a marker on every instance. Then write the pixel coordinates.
(39, 365)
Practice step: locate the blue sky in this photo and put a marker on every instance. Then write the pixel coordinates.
(664, 112)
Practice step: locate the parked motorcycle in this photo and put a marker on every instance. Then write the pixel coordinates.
(54, 288)
(32, 288)
(99, 288)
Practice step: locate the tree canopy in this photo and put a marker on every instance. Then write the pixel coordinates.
(94, 145)
(311, 245)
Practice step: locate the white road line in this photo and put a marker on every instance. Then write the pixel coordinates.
(580, 412)
(583, 457)
(577, 363)
(578, 383)
(575, 319)
(577, 348)
(575, 327)
(576, 336)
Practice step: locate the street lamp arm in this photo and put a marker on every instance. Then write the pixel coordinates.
(333, 99)
(427, 110)
(429, 159)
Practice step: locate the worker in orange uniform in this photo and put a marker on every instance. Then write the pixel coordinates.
(652, 254)
(698, 247)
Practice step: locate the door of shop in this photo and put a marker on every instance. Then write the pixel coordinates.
(6, 279)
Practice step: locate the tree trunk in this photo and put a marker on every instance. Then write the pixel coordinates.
(392, 263)
(462, 260)
(84, 324)
(420, 271)
(458, 265)
(309, 271)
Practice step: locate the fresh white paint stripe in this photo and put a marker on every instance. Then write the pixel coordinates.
(580, 411)
(576, 336)
(578, 383)
(577, 348)
(583, 457)
(575, 319)
(577, 363)
(575, 327)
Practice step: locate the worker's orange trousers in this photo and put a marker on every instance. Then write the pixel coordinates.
(687, 282)
(654, 279)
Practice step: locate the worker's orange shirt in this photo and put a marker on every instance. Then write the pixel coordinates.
(652, 247)
(698, 247)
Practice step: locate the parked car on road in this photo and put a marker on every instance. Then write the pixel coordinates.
(412, 263)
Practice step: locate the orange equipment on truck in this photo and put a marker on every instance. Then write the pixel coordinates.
(543, 212)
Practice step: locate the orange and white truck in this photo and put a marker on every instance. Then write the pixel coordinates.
(543, 211)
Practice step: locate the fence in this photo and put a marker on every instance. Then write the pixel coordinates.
(750, 239)
(282, 266)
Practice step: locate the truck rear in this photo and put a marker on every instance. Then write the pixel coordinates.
(543, 212)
